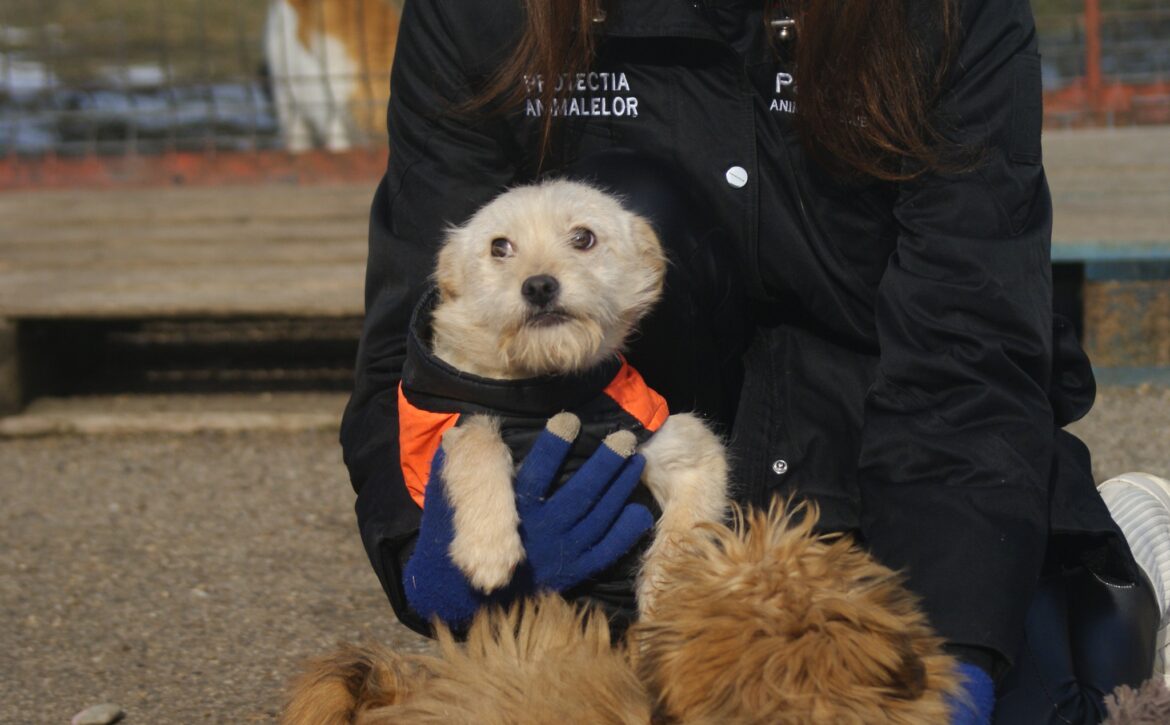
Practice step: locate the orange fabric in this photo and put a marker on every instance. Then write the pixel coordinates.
(419, 434)
(634, 396)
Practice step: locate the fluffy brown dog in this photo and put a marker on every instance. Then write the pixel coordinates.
(762, 622)
(766, 622)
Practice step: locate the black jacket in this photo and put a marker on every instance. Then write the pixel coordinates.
(905, 368)
(608, 397)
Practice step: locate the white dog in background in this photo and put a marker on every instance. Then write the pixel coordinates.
(601, 268)
(329, 62)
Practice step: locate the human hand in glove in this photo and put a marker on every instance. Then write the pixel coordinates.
(586, 525)
(579, 530)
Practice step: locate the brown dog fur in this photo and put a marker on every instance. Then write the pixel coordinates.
(766, 622)
(761, 622)
(341, 687)
(541, 661)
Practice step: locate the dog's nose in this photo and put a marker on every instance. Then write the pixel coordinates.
(540, 289)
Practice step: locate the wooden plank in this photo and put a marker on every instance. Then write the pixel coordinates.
(176, 414)
(219, 238)
(269, 251)
(1110, 192)
(217, 290)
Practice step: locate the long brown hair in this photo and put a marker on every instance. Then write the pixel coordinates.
(868, 76)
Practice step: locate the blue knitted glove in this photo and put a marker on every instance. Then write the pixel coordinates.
(586, 525)
(979, 701)
(434, 586)
(583, 528)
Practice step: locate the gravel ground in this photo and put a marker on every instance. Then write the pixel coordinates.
(183, 577)
(1128, 430)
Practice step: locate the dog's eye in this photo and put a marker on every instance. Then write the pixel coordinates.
(582, 239)
(501, 247)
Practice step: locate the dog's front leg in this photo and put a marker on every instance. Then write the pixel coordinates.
(686, 471)
(478, 475)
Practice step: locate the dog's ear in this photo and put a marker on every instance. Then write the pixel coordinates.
(649, 249)
(448, 270)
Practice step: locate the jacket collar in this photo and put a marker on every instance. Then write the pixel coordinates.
(423, 374)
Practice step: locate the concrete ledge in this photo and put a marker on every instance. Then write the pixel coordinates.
(176, 414)
(1111, 251)
(1132, 377)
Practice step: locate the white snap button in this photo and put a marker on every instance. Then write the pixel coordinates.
(737, 176)
(780, 466)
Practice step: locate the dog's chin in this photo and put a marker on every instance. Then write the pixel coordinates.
(555, 343)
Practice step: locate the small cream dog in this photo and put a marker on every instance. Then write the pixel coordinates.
(552, 279)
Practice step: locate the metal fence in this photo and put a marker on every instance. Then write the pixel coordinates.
(145, 76)
(1105, 62)
(126, 77)
(131, 77)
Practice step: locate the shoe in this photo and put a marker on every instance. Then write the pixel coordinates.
(1140, 504)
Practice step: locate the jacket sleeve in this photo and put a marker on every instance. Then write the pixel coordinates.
(958, 435)
(444, 163)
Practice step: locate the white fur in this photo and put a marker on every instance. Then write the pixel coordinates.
(311, 86)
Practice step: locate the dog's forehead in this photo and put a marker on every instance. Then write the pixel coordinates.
(553, 206)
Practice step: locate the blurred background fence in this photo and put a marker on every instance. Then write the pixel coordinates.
(133, 76)
(1105, 62)
(139, 77)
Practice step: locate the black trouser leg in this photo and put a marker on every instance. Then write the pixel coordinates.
(1083, 638)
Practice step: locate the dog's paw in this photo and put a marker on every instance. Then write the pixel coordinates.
(686, 466)
(488, 559)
